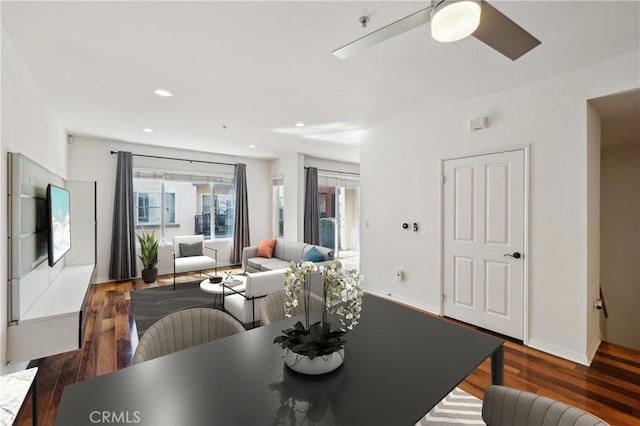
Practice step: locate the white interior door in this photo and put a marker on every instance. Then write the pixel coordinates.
(484, 241)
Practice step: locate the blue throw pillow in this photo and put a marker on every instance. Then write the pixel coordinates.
(313, 255)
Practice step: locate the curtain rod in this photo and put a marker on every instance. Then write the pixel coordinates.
(337, 171)
(178, 159)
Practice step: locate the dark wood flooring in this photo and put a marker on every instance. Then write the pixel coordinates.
(609, 388)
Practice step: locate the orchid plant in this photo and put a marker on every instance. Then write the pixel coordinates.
(342, 296)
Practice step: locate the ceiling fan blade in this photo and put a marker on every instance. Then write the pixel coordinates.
(502, 34)
(400, 26)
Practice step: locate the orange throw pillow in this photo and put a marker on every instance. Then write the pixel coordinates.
(265, 249)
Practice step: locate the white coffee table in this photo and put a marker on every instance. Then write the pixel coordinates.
(218, 289)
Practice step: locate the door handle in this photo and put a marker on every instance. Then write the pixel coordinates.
(515, 255)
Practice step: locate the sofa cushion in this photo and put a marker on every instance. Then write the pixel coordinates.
(185, 239)
(187, 250)
(313, 255)
(293, 251)
(265, 248)
(264, 264)
(275, 264)
(194, 263)
(257, 262)
(278, 250)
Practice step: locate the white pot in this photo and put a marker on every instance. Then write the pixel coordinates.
(318, 365)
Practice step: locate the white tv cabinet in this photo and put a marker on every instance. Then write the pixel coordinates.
(55, 322)
(47, 303)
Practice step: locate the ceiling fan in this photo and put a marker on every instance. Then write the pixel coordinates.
(452, 20)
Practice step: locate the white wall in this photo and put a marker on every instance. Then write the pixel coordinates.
(593, 229)
(291, 168)
(400, 179)
(90, 159)
(29, 126)
(620, 239)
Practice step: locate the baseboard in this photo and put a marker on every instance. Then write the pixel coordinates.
(593, 348)
(433, 309)
(559, 352)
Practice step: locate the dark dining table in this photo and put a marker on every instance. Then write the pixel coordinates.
(399, 363)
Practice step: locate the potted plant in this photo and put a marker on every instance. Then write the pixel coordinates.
(148, 256)
(319, 348)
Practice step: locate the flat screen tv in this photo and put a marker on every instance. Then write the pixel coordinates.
(58, 203)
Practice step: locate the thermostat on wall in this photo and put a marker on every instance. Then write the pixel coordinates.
(479, 123)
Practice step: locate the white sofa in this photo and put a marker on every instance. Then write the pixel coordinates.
(182, 262)
(266, 275)
(284, 253)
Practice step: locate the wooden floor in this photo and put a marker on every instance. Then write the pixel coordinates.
(609, 388)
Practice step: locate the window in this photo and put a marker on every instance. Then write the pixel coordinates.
(149, 207)
(206, 203)
(143, 207)
(180, 204)
(223, 202)
(278, 204)
(170, 208)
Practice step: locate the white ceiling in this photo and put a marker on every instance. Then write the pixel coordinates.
(258, 67)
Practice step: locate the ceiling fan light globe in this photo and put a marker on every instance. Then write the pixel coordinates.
(454, 21)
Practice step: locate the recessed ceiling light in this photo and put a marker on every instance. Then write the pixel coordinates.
(146, 130)
(252, 146)
(299, 124)
(163, 93)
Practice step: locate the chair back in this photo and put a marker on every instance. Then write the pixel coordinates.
(185, 329)
(503, 406)
(272, 307)
(185, 239)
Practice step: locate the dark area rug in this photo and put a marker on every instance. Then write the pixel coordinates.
(151, 304)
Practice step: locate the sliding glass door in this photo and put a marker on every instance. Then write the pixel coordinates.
(339, 201)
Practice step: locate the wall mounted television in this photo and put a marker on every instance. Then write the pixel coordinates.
(59, 209)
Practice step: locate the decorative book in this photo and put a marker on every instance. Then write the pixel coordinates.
(232, 282)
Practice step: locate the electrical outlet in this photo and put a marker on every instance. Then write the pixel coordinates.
(399, 274)
(597, 304)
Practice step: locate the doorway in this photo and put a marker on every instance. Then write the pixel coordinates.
(339, 202)
(620, 216)
(484, 230)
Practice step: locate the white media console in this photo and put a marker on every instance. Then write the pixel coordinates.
(47, 303)
(54, 323)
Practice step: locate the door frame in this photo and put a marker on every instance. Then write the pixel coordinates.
(525, 249)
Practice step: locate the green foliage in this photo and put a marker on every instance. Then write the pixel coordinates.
(148, 250)
(328, 232)
(318, 340)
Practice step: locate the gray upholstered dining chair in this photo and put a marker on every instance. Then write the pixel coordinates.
(184, 329)
(272, 307)
(504, 406)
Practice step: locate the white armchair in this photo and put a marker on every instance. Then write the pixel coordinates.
(245, 306)
(188, 255)
(242, 305)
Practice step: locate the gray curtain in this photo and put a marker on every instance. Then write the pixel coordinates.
(312, 208)
(241, 224)
(123, 236)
